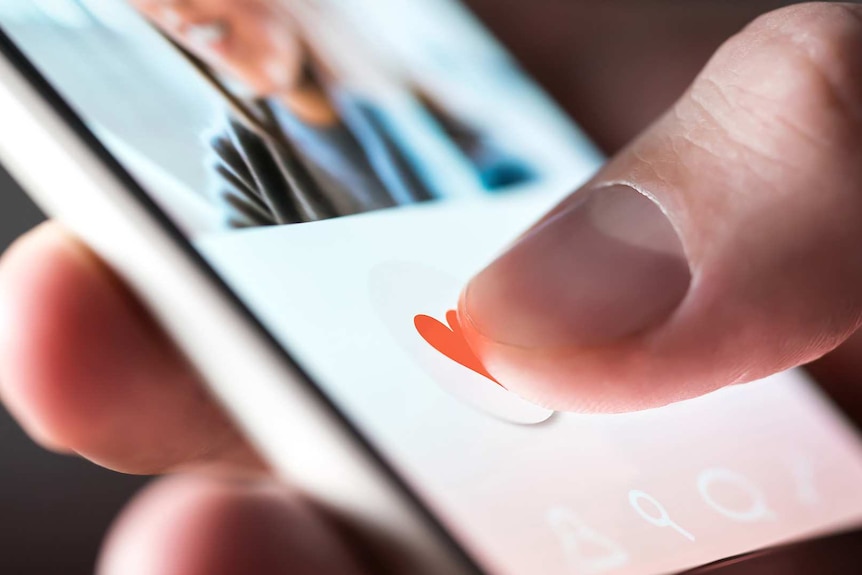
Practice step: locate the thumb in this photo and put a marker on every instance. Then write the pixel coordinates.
(723, 245)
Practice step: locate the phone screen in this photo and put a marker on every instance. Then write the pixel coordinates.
(346, 166)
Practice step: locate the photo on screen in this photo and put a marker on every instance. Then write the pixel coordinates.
(245, 113)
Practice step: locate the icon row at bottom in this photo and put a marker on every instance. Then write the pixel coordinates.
(590, 552)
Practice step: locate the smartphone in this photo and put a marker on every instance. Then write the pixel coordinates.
(298, 189)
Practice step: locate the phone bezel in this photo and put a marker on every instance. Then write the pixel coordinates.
(28, 70)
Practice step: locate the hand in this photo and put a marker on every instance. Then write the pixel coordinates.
(719, 247)
(757, 169)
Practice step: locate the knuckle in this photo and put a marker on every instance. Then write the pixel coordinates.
(815, 52)
(778, 114)
(791, 80)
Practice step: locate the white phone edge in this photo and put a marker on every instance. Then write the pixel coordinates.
(304, 440)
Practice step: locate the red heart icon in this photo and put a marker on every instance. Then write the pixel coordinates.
(450, 341)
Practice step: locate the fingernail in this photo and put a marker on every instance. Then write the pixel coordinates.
(606, 266)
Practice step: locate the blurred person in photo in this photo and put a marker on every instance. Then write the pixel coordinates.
(309, 136)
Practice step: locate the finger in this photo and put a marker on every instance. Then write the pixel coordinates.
(84, 369)
(205, 526)
(723, 245)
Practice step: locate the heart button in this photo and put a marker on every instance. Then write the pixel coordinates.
(450, 341)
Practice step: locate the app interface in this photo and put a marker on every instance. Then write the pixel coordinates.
(346, 166)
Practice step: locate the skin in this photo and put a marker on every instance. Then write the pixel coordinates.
(86, 371)
(260, 48)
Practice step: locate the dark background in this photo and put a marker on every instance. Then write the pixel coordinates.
(53, 509)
